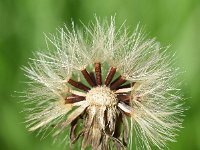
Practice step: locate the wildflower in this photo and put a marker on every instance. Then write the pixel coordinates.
(118, 89)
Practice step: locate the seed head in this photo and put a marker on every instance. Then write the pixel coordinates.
(118, 89)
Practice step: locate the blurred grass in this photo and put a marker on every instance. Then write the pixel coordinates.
(22, 24)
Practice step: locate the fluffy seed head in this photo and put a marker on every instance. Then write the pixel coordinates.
(119, 89)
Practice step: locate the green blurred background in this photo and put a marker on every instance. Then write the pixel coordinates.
(22, 23)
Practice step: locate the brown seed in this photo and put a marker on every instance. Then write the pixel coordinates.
(124, 86)
(97, 67)
(74, 99)
(93, 78)
(117, 82)
(78, 85)
(123, 98)
(110, 76)
(88, 77)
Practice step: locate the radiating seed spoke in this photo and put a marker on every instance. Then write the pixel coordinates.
(73, 99)
(93, 78)
(78, 85)
(97, 67)
(117, 82)
(110, 76)
(124, 98)
(88, 77)
(125, 86)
